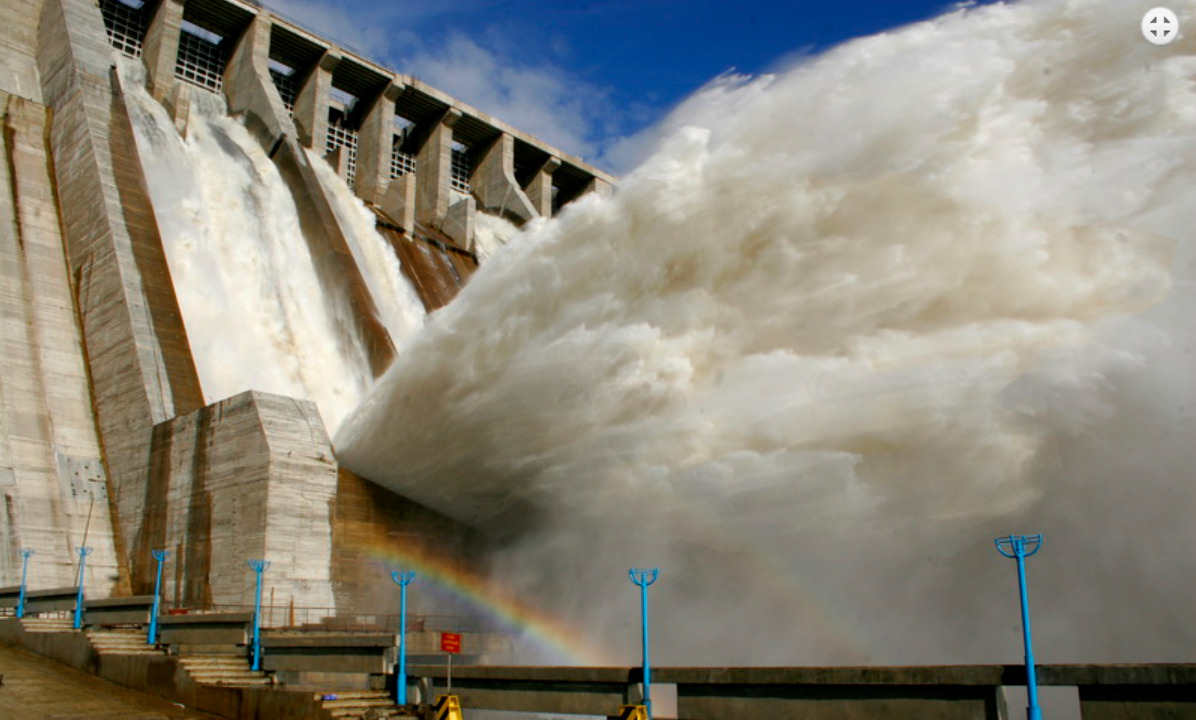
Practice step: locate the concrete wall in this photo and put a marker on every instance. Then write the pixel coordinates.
(18, 49)
(136, 348)
(52, 477)
(249, 477)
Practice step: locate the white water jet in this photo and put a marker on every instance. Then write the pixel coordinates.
(492, 233)
(254, 309)
(847, 325)
(399, 306)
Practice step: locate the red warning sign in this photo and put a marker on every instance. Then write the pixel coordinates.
(450, 643)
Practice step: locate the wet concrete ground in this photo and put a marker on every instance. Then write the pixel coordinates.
(35, 688)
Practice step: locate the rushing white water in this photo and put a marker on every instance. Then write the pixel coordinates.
(847, 325)
(399, 306)
(491, 234)
(256, 315)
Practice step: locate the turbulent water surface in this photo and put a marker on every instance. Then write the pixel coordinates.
(255, 311)
(848, 324)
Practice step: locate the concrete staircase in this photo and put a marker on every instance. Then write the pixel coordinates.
(223, 670)
(121, 642)
(47, 625)
(359, 705)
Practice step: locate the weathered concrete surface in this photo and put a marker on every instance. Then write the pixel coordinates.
(1125, 692)
(250, 91)
(366, 517)
(252, 476)
(18, 49)
(365, 654)
(539, 188)
(206, 629)
(375, 145)
(160, 48)
(311, 102)
(52, 478)
(433, 171)
(138, 356)
(45, 600)
(133, 610)
(36, 687)
(495, 186)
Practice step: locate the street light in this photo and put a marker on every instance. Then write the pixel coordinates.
(83, 553)
(25, 554)
(1020, 547)
(402, 579)
(644, 578)
(160, 556)
(258, 566)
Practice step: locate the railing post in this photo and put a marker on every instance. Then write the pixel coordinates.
(644, 578)
(1020, 547)
(258, 566)
(403, 579)
(25, 554)
(83, 553)
(160, 556)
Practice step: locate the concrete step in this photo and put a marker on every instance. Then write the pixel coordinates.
(360, 714)
(121, 643)
(358, 703)
(223, 670)
(352, 695)
(48, 625)
(232, 681)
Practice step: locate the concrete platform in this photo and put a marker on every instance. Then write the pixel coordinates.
(35, 688)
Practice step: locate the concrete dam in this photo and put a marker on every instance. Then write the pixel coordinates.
(112, 433)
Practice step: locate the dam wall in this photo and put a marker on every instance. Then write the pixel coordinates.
(52, 476)
(108, 438)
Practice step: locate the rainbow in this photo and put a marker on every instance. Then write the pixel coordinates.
(558, 642)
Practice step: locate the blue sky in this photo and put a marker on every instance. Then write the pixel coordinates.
(588, 76)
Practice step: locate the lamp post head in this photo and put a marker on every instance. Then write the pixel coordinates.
(402, 578)
(1018, 546)
(159, 555)
(84, 551)
(259, 566)
(643, 577)
(27, 553)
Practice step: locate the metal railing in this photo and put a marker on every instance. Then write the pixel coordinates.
(125, 25)
(279, 616)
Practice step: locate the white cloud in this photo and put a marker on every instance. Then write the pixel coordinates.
(544, 100)
(530, 93)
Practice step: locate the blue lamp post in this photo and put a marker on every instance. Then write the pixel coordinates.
(83, 553)
(1020, 547)
(258, 566)
(644, 578)
(403, 579)
(160, 556)
(25, 554)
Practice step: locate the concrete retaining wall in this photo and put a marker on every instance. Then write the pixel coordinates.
(249, 477)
